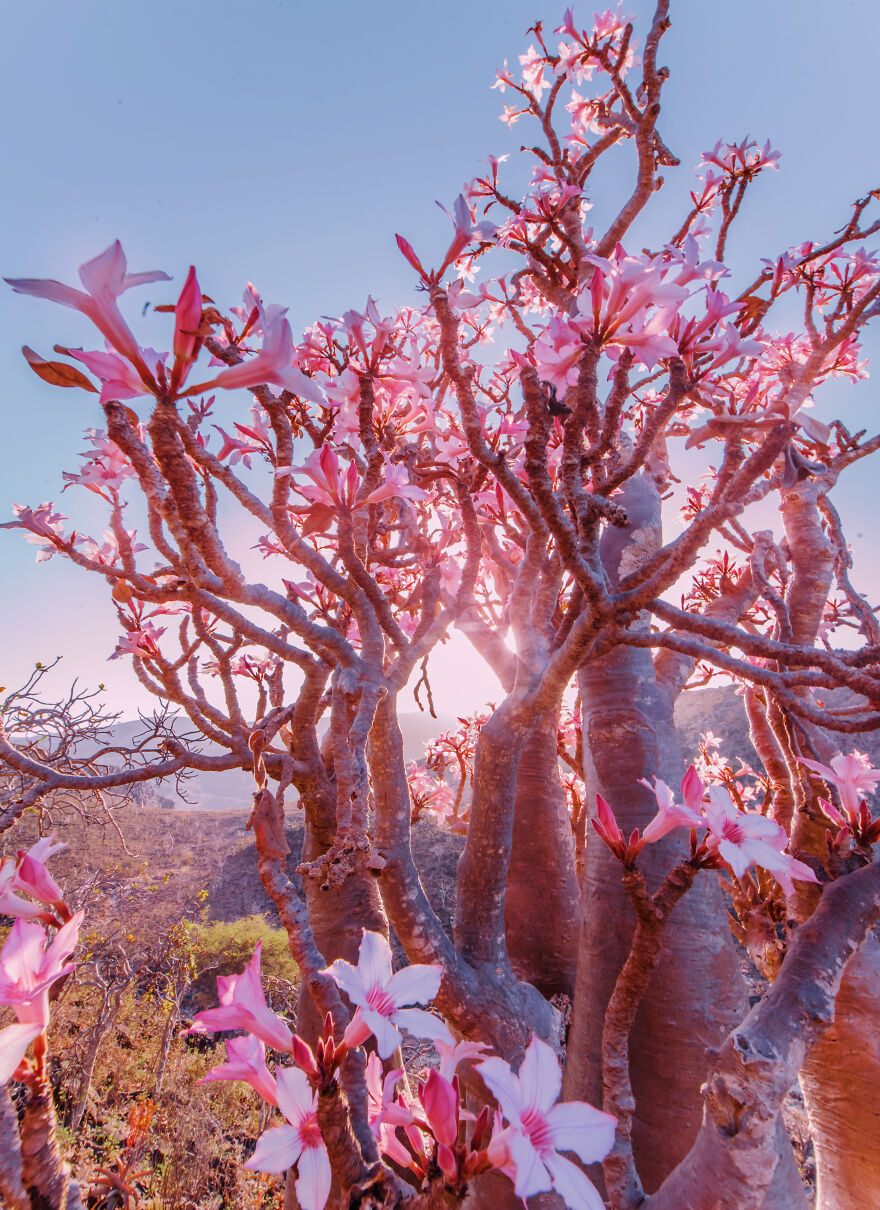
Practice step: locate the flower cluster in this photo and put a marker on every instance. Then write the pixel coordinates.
(736, 839)
(31, 962)
(421, 1133)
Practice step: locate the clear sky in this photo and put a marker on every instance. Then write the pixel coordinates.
(286, 143)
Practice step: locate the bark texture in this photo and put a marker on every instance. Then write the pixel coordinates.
(338, 916)
(841, 1075)
(697, 994)
(541, 908)
(841, 1082)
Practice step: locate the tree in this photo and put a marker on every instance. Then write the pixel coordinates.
(63, 755)
(463, 462)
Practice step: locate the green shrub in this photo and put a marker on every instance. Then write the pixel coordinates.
(227, 946)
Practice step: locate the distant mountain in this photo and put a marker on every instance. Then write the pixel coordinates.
(719, 710)
(232, 789)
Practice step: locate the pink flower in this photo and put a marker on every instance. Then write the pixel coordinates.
(440, 1102)
(187, 321)
(528, 1150)
(340, 491)
(247, 1061)
(14, 1041)
(298, 1143)
(380, 996)
(850, 774)
(29, 966)
(243, 1006)
(465, 230)
(669, 814)
(43, 525)
(27, 872)
(34, 879)
(451, 1056)
(143, 643)
(748, 838)
(608, 829)
(104, 278)
(119, 380)
(386, 1111)
(273, 366)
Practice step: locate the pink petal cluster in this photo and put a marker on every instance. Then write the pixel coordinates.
(852, 776)
(104, 279)
(299, 1142)
(341, 491)
(738, 838)
(247, 1061)
(29, 965)
(387, 1110)
(529, 1149)
(27, 873)
(380, 997)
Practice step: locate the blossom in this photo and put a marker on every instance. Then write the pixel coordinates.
(142, 642)
(744, 838)
(43, 525)
(340, 491)
(27, 873)
(528, 1150)
(104, 278)
(29, 966)
(247, 1061)
(298, 1143)
(440, 1102)
(243, 1006)
(850, 774)
(119, 379)
(272, 366)
(187, 321)
(452, 1055)
(386, 1111)
(380, 997)
(669, 814)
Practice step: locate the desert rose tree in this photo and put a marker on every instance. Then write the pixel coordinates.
(588, 453)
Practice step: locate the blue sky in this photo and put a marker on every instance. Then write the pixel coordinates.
(286, 144)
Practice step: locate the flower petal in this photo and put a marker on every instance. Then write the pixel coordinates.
(539, 1076)
(422, 1024)
(504, 1086)
(295, 1097)
(374, 959)
(414, 984)
(276, 1150)
(578, 1127)
(531, 1175)
(387, 1037)
(313, 1183)
(575, 1189)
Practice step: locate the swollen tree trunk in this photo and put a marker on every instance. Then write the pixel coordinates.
(541, 909)
(841, 1075)
(338, 916)
(841, 1082)
(697, 994)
